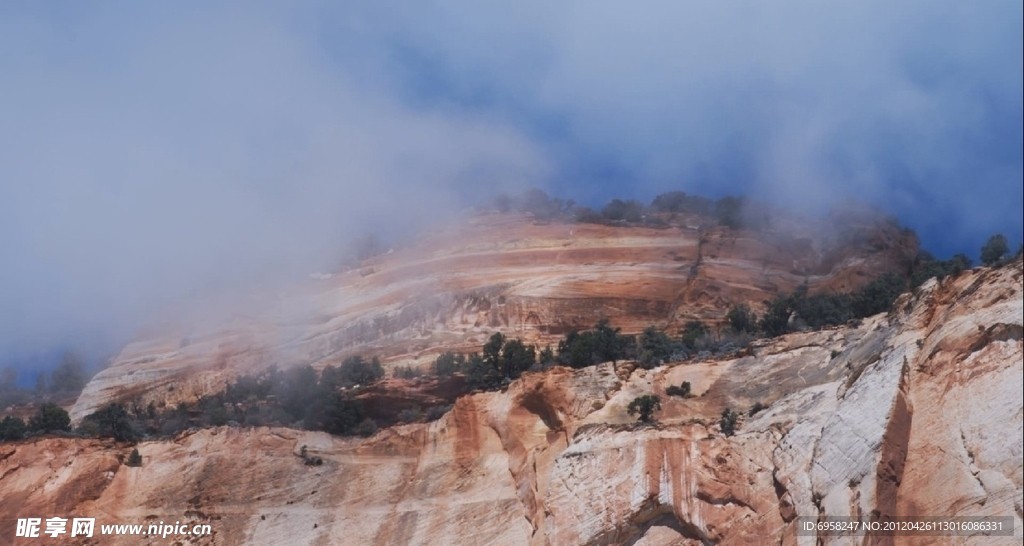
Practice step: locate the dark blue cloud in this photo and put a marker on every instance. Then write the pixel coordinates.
(915, 107)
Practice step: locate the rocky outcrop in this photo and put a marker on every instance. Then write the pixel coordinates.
(453, 288)
(917, 412)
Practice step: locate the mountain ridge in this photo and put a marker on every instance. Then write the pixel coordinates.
(509, 273)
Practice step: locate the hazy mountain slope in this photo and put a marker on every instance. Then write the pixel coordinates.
(453, 288)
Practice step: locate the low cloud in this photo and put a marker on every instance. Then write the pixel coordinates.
(150, 157)
(152, 154)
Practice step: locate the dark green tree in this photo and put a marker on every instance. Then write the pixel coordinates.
(693, 331)
(407, 372)
(546, 356)
(342, 415)
(654, 347)
(587, 215)
(822, 310)
(448, 363)
(729, 211)
(294, 389)
(677, 201)
(366, 428)
(742, 319)
(49, 418)
(669, 202)
(577, 349)
(331, 378)
(12, 428)
(728, 421)
(608, 344)
(628, 211)
(682, 391)
(134, 458)
(775, 321)
(113, 422)
(516, 358)
(480, 374)
(926, 267)
(492, 350)
(217, 416)
(958, 263)
(644, 406)
(540, 205)
(602, 344)
(758, 407)
(355, 370)
(247, 387)
(994, 249)
(878, 295)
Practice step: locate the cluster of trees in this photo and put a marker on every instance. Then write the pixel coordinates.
(407, 372)
(728, 211)
(651, 348)
(617, 211)
(298, 397)
(683, 390)
(49, 417)
(680, 202)
(501, 360)
(646, 405)
(732, 211)
(654, 347)
(800, 310)
(996, 250)
(828, 309)
(536, 202)
(927, 266)
(603, 343)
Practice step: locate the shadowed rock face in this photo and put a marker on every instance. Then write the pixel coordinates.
(918, 412)
(453, 288)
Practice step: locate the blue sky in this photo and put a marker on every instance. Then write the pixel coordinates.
(154, 152)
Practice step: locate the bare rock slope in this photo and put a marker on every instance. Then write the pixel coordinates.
(918, 412)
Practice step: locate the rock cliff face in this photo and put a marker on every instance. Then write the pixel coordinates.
(453, 288)
(917, 412)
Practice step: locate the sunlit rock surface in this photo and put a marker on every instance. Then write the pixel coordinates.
(918, 412)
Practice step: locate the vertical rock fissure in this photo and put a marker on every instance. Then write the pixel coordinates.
(894, 448)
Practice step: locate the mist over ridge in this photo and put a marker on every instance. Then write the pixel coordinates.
(151, 156)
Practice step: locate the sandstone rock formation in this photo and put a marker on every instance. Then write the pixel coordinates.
(453, 288)
(917, 412)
